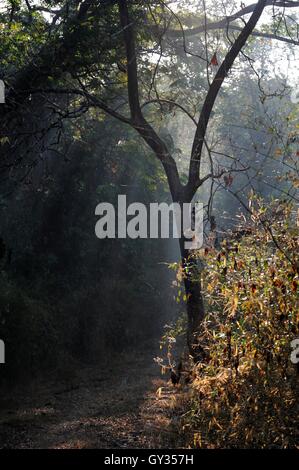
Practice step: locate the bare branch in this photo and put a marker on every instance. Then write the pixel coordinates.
(194, 168)
(225, 22)
(91, 100)
(275, 37)
(139, 122)
(171, 103)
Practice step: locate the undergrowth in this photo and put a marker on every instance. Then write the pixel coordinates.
(245, 393)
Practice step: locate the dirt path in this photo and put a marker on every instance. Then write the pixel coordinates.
(114, 408)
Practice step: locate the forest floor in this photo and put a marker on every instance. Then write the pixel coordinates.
(125, 405)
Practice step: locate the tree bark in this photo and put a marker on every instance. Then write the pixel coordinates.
(194, 302)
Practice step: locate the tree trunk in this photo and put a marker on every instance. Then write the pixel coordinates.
(195, 304)
(192, 280)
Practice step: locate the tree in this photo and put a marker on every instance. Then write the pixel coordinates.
(182, 194)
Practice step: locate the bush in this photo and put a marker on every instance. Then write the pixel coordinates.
(244, 395)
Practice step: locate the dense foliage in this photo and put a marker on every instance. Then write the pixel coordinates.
(244, 393)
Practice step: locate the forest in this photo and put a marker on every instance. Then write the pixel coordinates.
(149, 236)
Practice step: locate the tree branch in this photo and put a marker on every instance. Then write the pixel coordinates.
(171, 103)
(225, 22)
(92, 100)
(194, 168)
(275, 37)
(139, 122)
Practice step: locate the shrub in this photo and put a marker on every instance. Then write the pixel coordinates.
(244, 394)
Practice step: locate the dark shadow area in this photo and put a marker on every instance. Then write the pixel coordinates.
(95, 409)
